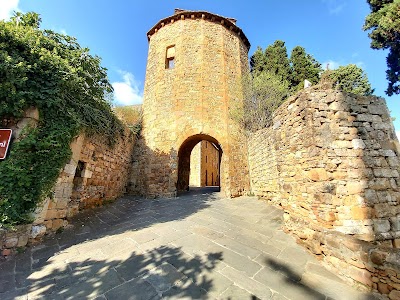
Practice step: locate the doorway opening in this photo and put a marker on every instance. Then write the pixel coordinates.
(199, 163)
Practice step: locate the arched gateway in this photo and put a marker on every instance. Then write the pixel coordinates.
(195, 63)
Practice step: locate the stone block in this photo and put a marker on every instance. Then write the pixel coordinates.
(70, 169)
(360, 275)
(6, 252)
(11, 242)
(380, 184)
(38, 231)
(393, 162)
(394, 295)
(318, 174)
(23, 240)
(383, 288)
(381, 226)
(358, 144)
(87, 174)
(356, 187)
(337, 106)
(387, 173)
(342, 145)
(57, 223)
(361, 213)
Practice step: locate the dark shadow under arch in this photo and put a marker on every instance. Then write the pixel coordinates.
(184, 158)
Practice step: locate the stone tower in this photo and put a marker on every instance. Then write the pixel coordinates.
(195, 63)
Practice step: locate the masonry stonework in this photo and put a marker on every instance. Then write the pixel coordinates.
(95, 174)
(331, 161)
(189, 102)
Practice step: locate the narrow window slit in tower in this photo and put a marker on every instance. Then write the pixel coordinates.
(170, 57)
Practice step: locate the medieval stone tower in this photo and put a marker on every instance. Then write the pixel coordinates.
(195, 63)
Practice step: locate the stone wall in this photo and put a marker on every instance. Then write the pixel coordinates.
(331, 161)
(190, 102)
(96, 173)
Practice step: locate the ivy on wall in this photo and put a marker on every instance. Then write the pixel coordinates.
(52, 72)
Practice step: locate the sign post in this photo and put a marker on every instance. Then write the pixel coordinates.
(5, 137)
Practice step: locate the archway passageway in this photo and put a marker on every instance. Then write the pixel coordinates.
(199, 162)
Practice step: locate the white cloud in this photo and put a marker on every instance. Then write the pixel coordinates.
(127, 92)
(334, 6)
(7, 7)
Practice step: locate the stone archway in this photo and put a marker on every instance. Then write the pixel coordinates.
(184, 153)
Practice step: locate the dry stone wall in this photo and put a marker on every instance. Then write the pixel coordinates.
(96, 173)
(331, 161)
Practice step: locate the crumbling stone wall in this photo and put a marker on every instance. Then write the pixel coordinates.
(96, 173)
(331, 160)
(191, 100)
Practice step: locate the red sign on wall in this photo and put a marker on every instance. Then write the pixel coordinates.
(5, 137)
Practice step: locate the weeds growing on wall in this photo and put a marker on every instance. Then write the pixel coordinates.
(52, 72)
(131, 116)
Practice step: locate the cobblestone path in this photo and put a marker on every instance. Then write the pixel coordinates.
(196, 246)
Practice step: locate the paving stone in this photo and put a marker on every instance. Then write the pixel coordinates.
(93, 286)
(144, 237)
(332, 288)
(235, 292)
(136, 266)
(317, 269)
(288, 288)
(20, 294)
(202, 246)
(185, 290)
(23, 262)
(244, 282)
(7, 267)
(238, 247)
(7, 282)
(136, 289)
(163, 277)
(236, 260)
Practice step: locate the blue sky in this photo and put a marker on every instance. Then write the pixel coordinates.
(330, 30)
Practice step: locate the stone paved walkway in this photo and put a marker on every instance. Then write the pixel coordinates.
(197, 246)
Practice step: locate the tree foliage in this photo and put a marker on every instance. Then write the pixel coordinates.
(295, 70)
(262, 93)
(350, 79)
(257, 61)
(277, 61)
(52, 72)
(304, 66)
(384, 25)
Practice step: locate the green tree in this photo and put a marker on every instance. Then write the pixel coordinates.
(52, 72)
(257, 61)
(304, 66)
(277, 61)
(350, 79)
(384, 25)
(262, 95)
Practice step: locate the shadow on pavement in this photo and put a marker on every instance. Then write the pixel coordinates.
(292, 278)
(79, 272)
(165, 271)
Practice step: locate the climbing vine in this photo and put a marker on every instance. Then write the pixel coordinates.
(52, 72)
